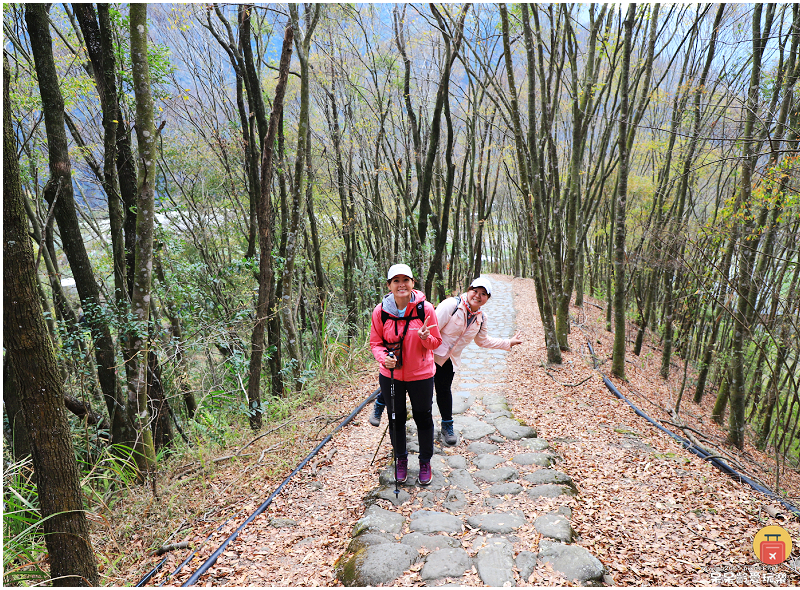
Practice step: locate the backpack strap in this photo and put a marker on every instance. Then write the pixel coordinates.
(397, 347)
(420, 314)
(458, 302)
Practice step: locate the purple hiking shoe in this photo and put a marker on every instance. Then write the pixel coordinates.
(425, 474)
(401, 472)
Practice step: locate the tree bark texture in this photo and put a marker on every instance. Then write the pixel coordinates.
(32, 357)
(12, 407)
(99, 45)
(265, 231)
(145, 216)
(59, 190)
(618, 359)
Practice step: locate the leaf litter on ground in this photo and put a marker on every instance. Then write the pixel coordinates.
(651, 511)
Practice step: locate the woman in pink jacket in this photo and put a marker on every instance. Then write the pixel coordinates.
(398, 327)
(460, 322)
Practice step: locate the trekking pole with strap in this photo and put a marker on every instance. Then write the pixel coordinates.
(392, 427)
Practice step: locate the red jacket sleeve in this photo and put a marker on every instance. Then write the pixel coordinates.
(376, 336)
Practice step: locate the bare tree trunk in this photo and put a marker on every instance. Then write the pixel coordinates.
(535, 254)
(145, 217)
(582, 102)
(158, 405)
(256, 107)
(618, 359)
(265, 231)
(746, 267)
(72, 561)
(59, 191)
(99, 45)
(723, 395)
(302, 43)
(12, 408)
(315, 255)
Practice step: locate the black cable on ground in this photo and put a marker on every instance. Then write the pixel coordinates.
(194, 551)
(687, 444)
(214, 556)
(152, 573)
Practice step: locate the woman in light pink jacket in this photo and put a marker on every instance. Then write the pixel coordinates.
(460, 322)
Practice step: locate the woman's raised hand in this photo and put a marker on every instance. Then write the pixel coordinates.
(424, 331)
(516, 339)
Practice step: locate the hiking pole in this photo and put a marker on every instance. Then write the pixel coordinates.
(392, 426)
(378, 448)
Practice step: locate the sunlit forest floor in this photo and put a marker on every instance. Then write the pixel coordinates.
(652, 512)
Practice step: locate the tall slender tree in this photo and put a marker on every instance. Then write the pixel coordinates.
(59, 194)
(265, 231)
(535, 254)
(145, 215)
(618, 360)
(72, 561)
(302, 42)
(746, 268)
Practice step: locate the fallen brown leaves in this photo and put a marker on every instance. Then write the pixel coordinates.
(193, 502)
(651, 511)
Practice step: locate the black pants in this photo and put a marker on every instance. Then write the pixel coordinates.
(421, 395)
(444, 394)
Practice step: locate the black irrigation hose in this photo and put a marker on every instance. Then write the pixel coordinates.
(152, 573)
(214, 556)
(718, 463)
(192, 554)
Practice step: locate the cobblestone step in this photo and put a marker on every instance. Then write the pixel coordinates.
(498, 482)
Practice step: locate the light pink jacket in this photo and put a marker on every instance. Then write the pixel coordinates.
(452, 316)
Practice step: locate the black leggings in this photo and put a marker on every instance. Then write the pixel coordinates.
(421, 395)
(444, 394)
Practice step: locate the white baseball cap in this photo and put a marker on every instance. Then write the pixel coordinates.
(484, 282)
(399, 269)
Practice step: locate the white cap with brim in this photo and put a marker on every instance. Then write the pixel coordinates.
(399, 269)
(482, 282)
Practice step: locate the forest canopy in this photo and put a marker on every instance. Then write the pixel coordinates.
(212, 193)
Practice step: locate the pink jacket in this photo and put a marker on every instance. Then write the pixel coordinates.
(417, 353)
(452, 316)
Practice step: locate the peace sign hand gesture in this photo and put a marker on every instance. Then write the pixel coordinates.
(424, 331)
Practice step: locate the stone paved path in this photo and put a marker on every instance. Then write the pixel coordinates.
(483, 369)
(491, 494)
